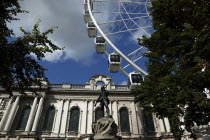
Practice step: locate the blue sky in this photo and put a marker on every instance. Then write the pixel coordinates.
(78, 61)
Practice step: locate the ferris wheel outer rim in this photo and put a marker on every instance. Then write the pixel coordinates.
(112, 45)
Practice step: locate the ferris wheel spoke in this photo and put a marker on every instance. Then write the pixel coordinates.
(136, 55)
(133, 61)
(101, 12)
(131, 25)
(134, 51)
(135, 8)
(124, 72)
(122, 20)
(106, 53)
(124, 25)
(135, 22)
(129, 30)
(117, 1)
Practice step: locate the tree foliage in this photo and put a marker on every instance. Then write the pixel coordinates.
(178, 63)
(17, 65)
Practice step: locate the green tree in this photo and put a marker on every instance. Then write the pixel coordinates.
(17, 66)
(178, 63)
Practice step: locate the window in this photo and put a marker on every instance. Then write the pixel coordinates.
(23, 118)
(124, 120)
(74, 120)
(148, 118)
(115, 58)
(100, 83)
(98, 114)
(49, 119)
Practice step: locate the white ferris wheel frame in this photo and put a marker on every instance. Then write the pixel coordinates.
(137, 68)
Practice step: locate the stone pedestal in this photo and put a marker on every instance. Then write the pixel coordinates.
(104, 128)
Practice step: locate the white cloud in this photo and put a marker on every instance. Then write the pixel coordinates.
(71, 32)
(56, 56)
(124, 83)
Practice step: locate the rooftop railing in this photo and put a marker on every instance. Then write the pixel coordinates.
(82, 86)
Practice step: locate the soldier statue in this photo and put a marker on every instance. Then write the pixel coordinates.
(103, 99)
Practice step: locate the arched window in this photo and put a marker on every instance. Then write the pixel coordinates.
(100, 83)
(49, 119)
(124, 120)
(148, 119)
(23, 118)
(74, 120)
(98, 114)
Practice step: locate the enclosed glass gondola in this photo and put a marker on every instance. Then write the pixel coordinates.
(87, 17)
(92, 31)
(114, 61)
(100, 43)
(135, 79)
(86, 4)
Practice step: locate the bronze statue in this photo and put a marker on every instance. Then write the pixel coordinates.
(104, 100)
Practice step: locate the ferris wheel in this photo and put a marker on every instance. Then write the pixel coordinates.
(115, 26)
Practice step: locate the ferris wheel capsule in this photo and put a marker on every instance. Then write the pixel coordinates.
(135, 79)
(92, 31)
(114, 61)
(86, 4)
(87, 17)
(100, 43)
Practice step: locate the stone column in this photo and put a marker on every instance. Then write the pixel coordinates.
(92, 83)
(110, 107)
(109, 83)
(80, 122)
(31, 116)
(64, 118)
(58, 118)
(167, 124)
(90, 117)
(162, 125)
(139, 120)
(5, 116)
(36, 120)
(130, 120)
(1, 100)
(115, 111)
(12, 114)
(84, 117)
(134, 118)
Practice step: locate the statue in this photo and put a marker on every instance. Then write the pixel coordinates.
(104, 101)
(105, 128)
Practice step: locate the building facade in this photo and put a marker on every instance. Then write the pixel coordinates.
(67, 111)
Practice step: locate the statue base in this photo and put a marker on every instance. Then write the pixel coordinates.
(104, 128)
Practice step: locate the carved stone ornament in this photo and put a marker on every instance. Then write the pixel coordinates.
(104, 128)
(201, 130)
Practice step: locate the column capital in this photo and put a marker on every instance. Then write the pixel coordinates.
(111, 101)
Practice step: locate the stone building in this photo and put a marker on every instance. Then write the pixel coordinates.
(67, 111)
